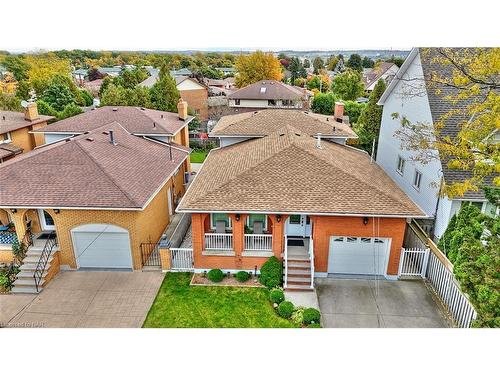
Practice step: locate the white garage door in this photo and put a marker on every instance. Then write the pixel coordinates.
(102, 246)
(358, 255)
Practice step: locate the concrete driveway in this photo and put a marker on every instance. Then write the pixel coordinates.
(361, 304)
(80, 299)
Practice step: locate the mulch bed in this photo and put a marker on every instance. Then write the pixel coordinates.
(200, 280)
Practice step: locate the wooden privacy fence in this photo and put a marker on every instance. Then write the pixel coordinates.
(427, 261)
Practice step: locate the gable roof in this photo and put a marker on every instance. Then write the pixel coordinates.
(134, 119)
(377, 72)
(285, 172)
(268, 89)
(265, 122)
(88, 171)
(10, 121)
(9, 149)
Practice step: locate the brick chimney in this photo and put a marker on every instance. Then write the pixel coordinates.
(182, 109)
(338, 112)
(31, 112)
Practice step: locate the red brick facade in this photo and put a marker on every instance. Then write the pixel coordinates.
(197, 101)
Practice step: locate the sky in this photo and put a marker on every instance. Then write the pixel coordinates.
(245, 25)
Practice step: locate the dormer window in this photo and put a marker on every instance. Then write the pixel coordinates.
(236, 101)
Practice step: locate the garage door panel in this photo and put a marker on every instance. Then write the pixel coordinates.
(102, 249)
(360, 256)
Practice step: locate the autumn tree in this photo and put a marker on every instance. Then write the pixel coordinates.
(17, 65)
(256, 67)
(348, 85)
(368, 126)
(467, 82)
(43, 68)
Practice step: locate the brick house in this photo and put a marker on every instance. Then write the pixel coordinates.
(111, 184)
(16, 130)
(288, 191)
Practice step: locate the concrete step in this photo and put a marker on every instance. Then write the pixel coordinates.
(300, 272)
(28, 275)
(34, 259)
(298, 281)
(299, 263)
(297, 257)
(32, 266)
(27, 282)
(299, 288)
(25, 290)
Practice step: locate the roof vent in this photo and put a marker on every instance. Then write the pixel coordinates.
(282, 134)
(154, 124)
(334, 128)
(256, 112)
(105, 133)
(112, 138)
(263, 90)
(142, 108)
(297, 134)
(3, 117)
(161, 115)
(306, 112)
(90, 139)
(318, 141)
(327, 119)
(115, 109)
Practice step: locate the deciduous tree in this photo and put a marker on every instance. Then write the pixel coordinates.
(355, 62)
(348, 85)
(255, 67)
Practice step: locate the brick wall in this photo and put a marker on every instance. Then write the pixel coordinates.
(326, 226)
(197, 100)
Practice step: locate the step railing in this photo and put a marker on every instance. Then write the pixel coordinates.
(285, 279)
(219, 241)
(311, 259)
(44, 258)
(258, 242)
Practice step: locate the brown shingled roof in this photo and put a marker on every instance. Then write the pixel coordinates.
(89, 171)
(285, 172)
(10, 121)
(273, 90)
(261, 123)
(134, 119)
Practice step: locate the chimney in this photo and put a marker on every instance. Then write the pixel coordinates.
(318, 141)
(112, 138)
(338, 112)
(31, 112)
(182, 108)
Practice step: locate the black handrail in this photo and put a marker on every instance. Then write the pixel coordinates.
(44, 258)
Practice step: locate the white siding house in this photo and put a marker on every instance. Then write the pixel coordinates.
(408, 96)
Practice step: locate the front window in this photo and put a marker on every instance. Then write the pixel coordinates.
(286, 102)
(271, 102)
(5, 137)
(401, 165)
(251, 219)
(236, 101)
(417, 179)
(220, 217)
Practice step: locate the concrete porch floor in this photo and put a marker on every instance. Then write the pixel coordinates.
(78, 299)
(348, 303)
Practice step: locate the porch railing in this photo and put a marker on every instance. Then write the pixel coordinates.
(44, 258)
(219, 241)
(258, 242)
(311, 259)
(285, 279)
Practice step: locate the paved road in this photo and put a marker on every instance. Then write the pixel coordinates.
(390, 304)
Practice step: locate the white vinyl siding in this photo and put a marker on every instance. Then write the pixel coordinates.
(417, 179)
(401, 165)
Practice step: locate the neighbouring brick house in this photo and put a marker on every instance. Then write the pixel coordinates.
(285, 190)
(16, 130)
(110, 184)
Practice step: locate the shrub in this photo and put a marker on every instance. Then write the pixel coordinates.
(5, 283)
(276, 296)
(311, 316)
(285, 309)
(215, 275)
(271, 273)
(242, 276)
(298, 315)
(314, 325)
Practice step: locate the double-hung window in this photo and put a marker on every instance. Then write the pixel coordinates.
(401, 165)
(417, 179)
(257, 217)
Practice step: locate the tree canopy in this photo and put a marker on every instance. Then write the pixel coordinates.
(255, 67)
(368, 127)
(355, 62)
(348, 85)
(318, 64)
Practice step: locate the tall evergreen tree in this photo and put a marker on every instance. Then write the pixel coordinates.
(164, 94)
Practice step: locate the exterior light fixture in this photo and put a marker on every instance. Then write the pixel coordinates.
(278, 218)
(237, 217)
(365, 220)
(13, 210)
(57, 210)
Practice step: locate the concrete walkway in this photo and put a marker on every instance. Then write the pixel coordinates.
(77, 299)
(363, 304)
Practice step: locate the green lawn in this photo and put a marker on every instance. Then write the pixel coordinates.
(180, 305)
(198, 156)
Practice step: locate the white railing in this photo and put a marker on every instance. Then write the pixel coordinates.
(181, 259)
(413, 262)
(432, 265)
(285, 279)
(311, 258)
(258, 242)
(447, 288)
(219, 241)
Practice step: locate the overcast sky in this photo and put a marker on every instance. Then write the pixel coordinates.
(252, 24)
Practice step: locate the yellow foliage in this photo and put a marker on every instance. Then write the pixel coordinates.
(255, 67)
(44, 67)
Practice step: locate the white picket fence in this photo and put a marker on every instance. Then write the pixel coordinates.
(426, 264)
(181, 259)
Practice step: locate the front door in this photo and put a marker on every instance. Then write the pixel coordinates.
(298, 225)
(46, 221)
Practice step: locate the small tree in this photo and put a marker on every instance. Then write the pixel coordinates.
(355, 62)
(164, 94)
(348, 85)
(318, 64)
(323, 103)
(370, 119)
(58, 95)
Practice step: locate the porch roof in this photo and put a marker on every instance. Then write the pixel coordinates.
(285, 172)
(265, 122)
(88, 171)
